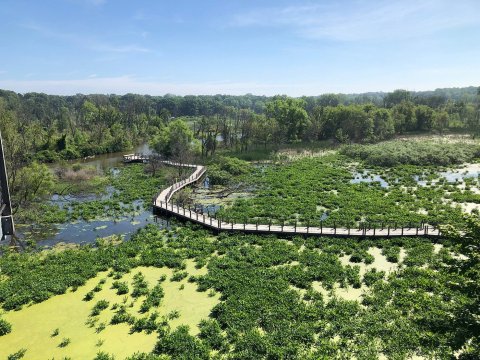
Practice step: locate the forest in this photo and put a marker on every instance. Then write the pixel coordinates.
(39, 128)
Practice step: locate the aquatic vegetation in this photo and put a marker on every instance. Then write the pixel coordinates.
(319, 191)
(5, 327)
(276, 298)
(99, 306)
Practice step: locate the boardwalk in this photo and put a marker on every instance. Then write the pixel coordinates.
(162, 204)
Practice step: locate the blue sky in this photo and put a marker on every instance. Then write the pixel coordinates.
(237, 46)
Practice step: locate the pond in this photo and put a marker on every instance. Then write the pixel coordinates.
(84, 232)
(366, 176)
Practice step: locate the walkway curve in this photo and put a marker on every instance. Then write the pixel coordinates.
(163, 205)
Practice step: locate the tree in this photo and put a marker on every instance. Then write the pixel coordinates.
(34, 180)
(291, 116)
(425, 117)
(404, 117)
(384, 126)
(173, 139)
(441, 121)
(397, 97)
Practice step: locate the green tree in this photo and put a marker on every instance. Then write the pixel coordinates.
(425, 117)
(34, 180)
(291, 116)
(173, 140)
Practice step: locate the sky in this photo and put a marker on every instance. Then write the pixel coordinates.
(237, 46)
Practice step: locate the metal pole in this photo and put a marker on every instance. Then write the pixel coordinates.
(8, 227)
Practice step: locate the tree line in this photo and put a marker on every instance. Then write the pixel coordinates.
(46, 128)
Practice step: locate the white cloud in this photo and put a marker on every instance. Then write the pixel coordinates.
(366, 20)
(130, 84)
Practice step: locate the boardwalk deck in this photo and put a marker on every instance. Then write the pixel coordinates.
(162, 204)
(135, 158)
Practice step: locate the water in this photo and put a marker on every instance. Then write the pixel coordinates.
(451, 176)
(86, 232)
(107, 161)
(368, 178)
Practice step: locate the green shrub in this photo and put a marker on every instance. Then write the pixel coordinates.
(5, 327)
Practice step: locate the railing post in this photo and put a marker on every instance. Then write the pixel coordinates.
(334, 228)
(204, 218)
(321, 227)
(416, 231)
(374, 228)
(388, 230)
(402, 230)
(269, 224)
(295, 227)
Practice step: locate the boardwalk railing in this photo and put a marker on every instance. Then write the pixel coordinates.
(162, 204)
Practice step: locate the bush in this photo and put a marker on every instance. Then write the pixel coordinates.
(5, 327)
(121, 286)
(99, 306)
(394, 153)
(17, 355)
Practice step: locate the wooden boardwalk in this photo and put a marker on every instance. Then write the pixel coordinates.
(163, 205)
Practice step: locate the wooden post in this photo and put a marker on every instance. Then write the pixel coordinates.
(374, 228)
(321, 227)
(282, 224)
(334, 228)
(308, 225)
(295, 227)
(402, 230)
(269, 224)
(416, 231)
(388, 230)
(204, 218)
(256, 227)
